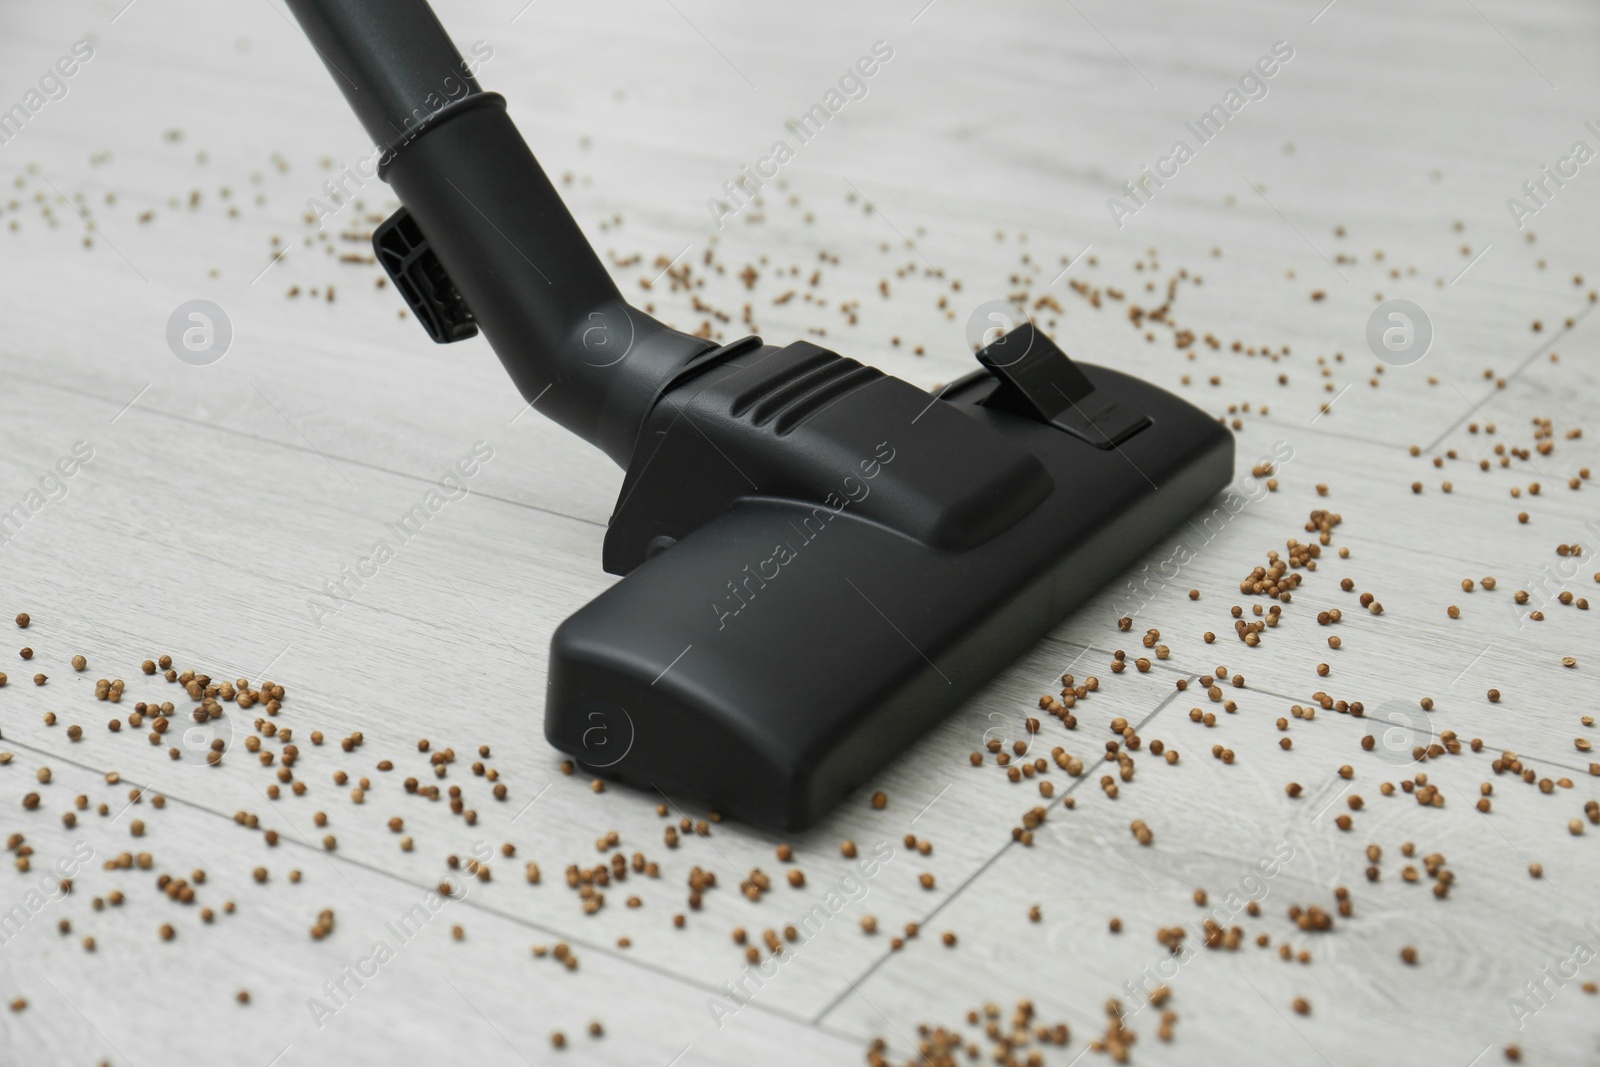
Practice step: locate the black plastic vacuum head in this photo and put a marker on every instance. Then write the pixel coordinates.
(821, 560)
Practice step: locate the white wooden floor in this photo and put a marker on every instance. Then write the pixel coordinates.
(220, 500)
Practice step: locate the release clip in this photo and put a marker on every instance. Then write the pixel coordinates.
(1039, 381)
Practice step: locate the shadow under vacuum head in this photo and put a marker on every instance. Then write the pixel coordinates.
(821, 560)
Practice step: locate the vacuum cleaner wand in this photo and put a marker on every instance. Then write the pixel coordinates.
(821, 560)
(478, 203)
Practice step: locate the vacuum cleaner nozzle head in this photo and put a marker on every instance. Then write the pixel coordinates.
(824, 561)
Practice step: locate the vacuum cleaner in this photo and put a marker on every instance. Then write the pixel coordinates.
(819, 561)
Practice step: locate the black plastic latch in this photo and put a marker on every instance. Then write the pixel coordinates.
(416, 271)
(1039, 381)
